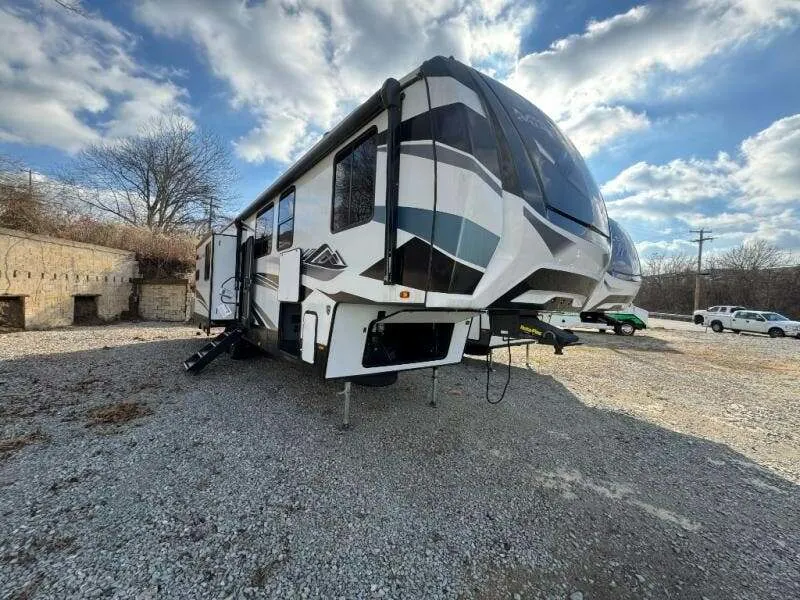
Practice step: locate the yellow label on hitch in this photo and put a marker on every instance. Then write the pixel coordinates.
(530, 330)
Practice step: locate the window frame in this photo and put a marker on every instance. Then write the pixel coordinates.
(207, 258)
(278, 222)
(267, 207)
(348, 149)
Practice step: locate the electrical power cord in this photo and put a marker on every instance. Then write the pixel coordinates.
(489, 374)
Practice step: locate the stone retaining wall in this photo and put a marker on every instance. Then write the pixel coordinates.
(165, 300)
(49, 272)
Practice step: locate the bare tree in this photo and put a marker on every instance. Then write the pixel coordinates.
(168, 176)
(752, 256)
(20, 202)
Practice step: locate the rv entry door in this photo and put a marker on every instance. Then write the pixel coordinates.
(245, 275)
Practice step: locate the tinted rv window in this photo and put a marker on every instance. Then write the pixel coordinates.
(624, 257)
(354, 183)
(568, 185)
(207, 261)
(264, 221)
(286, 220)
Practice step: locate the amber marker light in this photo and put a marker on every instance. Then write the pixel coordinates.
(405, 295)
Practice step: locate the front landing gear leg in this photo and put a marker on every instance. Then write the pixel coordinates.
(434, 380)
(346, 415)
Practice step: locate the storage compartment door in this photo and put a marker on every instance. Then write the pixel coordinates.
(289, 282)
(309, 337)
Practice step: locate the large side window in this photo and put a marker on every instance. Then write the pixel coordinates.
(264, 221)
(286, 220)
(207, 260)
(354, 183)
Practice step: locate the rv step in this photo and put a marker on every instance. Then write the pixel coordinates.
(200, 359)
(514, 325)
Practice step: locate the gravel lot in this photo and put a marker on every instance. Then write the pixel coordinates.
(660, 466)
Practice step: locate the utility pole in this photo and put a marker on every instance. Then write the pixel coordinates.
(699, 275)
(30, 182)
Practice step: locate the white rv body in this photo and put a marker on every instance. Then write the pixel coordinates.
(373, 253)
(215, 298)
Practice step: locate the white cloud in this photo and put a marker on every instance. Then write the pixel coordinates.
(637, 54)
(771, 172)
(57, 67)
(298, 66)
(591, 128)
(755, 195)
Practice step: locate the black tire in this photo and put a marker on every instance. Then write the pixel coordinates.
(624, 329)
(717, 327)
(736, 330)
(600, 330)
(698, 319)
(776, 332)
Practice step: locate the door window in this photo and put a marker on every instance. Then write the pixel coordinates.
(264, 222)
(286, 220)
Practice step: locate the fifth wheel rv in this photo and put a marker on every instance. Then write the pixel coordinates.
(443, 195)
(608, 306)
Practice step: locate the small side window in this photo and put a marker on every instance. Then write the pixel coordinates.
(264, 223)
(207, 262)
(286, 220)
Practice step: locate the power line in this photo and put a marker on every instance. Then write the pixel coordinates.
(699, 275)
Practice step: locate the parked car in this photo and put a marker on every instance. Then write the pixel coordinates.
(723, 313)
(758, 321)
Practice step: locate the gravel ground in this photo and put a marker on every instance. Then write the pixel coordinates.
(660, 466)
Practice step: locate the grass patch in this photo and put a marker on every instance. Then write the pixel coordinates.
(114, 414)
(10, 445)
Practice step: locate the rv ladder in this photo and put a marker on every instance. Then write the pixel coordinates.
(198, 361)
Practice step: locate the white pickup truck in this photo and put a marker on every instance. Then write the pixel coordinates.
(759, 321)
(719, 313)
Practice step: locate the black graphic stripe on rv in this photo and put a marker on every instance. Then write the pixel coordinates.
(455, 235)
(554, 240)
(456, 125)
(447, 275)
(450, 157)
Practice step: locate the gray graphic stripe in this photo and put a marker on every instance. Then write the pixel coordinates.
(455, 235)
(447, 155)
(321, 273)
(263, 316)
(199, 296)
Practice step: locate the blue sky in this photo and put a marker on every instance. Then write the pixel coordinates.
(688, 111)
